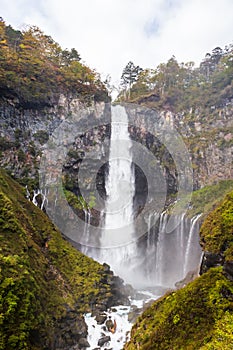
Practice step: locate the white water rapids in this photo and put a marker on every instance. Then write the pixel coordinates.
(119, 314)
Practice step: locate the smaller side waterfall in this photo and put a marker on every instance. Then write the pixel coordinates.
(191, 244)
(172, 255)
(87, 218)
(35, 201)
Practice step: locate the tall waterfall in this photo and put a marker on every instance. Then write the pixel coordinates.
(118, 232)
(120, 180)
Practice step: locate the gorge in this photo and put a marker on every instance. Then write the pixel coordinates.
(107, 207)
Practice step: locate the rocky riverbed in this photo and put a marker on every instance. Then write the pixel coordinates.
(111, 329)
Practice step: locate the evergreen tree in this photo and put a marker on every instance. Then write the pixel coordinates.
(129, 76)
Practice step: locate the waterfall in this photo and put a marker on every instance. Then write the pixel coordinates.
(118, 232)
(191, 243)
(120, 180)
(158, 258)
(172, 254)
(36, 193)
(87, 218)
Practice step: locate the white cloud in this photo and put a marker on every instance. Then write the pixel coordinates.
(109, 33)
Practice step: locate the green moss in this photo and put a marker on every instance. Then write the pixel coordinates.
(222, 334)
(217, 230)
(78, 202)
(40, 273)
(198, 316)
(206, 199)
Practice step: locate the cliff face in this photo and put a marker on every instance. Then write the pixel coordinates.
(45, 284)
(208, 138)
(208, 135)
(198, 316)
(24, 131)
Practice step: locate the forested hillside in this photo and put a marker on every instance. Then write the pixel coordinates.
(35, 70)
(180, 86)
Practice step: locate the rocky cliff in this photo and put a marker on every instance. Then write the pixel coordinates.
(208, 138)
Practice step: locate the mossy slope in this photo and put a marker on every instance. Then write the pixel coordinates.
(207, 198)
(217, 230)
(199, 316)
(41, 274)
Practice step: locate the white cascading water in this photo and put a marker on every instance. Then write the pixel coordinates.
(120, 180)
(118, 232)
(162, 258)
(174, 254)
(191, 244)
(87, 218)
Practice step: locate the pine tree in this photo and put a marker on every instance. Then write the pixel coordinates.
(129, 76)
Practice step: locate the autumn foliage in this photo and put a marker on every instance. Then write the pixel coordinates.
(36, 70)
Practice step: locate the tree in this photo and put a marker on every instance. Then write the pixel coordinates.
(130, 75)
(70, 56)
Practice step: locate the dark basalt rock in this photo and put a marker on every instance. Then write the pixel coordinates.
(101, 318)
(211, 260)
(109, 324)
(134, 313)
(104, 340)
(70, 331)
(228, 269)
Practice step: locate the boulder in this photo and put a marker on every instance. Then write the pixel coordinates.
(104, 340)
(210, 260)
(228, 269)
(109, 323)
(101, 318)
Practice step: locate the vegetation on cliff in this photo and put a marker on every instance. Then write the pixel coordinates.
(200, 315)
(217, 230)
(41, 274)
(206, 199)
(180, 86)
(35, 70)
(197, 102)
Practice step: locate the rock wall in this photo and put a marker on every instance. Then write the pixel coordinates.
(208, 136)
(209, 139)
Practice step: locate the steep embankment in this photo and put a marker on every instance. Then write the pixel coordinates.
(217, 237)
(45, 284)
(199, 316)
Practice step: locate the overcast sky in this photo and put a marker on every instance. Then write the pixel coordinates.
(109, 33)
